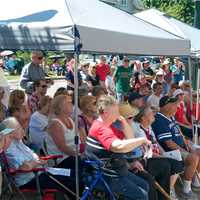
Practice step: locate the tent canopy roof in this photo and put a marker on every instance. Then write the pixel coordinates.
(172, 25)
(49, 25)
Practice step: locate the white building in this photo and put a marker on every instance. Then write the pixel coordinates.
(130, 6)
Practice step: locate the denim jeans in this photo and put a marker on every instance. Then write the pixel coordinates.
(131, 187)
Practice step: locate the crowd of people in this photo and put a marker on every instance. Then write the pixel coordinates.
(129, 116)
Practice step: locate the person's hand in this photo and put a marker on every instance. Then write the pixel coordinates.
(43, 162)
(121, 118)
(148, 142)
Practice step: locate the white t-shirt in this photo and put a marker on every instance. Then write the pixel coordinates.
(37, 126)
(153, 101)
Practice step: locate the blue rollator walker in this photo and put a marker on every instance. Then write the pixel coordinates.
(99, 174)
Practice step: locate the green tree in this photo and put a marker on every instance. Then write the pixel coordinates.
(180, 9)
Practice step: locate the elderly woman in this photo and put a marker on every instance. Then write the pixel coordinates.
(27, 160)
(4, 144)
(105, 142)
(39, 122)
(142, 128)
(60, 132)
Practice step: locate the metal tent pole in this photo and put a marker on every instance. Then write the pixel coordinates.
(197, 108)
(191, 91)
(77, 45)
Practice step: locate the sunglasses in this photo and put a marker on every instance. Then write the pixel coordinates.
(40, 58)
(130, 118)
(43, 86)
(126, 60)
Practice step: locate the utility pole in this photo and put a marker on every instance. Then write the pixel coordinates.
(197, 14)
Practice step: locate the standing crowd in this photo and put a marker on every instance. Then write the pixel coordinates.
(129, 116)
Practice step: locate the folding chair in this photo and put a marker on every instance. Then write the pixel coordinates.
(11, 188)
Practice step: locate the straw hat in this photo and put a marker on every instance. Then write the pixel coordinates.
(127, 111)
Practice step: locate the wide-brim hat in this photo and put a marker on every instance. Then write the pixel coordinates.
(128, 111)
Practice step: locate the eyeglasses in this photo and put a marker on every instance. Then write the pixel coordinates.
(43, 86)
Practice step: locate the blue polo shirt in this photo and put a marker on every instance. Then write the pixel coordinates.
(167, 129)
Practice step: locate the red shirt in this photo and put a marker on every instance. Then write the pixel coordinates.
(193, 112)
(102, 71)
(180, 113)
(105, 135)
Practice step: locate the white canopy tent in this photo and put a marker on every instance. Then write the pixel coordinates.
(49, 25)
(61, 25)
(170, 24)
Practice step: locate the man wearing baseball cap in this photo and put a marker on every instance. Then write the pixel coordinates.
(170, 138)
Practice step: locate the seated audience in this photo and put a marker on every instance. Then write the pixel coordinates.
(60, 131)
(16, 98)
(154, 99)
(105, 142)
(40, 89)
(136, 100)
(180, 116)
(170, 138)
(168, 167)
(98, 91)
(88, 115)
(4, 144)
(39, 122)
(22, 158)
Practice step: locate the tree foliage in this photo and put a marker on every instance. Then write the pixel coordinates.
(180, 9)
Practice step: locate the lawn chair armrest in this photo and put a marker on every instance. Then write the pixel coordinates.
(17, 171)
(49, 157)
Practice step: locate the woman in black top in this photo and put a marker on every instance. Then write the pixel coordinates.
(92, 79)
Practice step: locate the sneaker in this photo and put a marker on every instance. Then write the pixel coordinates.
(173, 195)
(190, 195)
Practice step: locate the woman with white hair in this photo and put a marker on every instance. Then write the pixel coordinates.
(27, 160)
